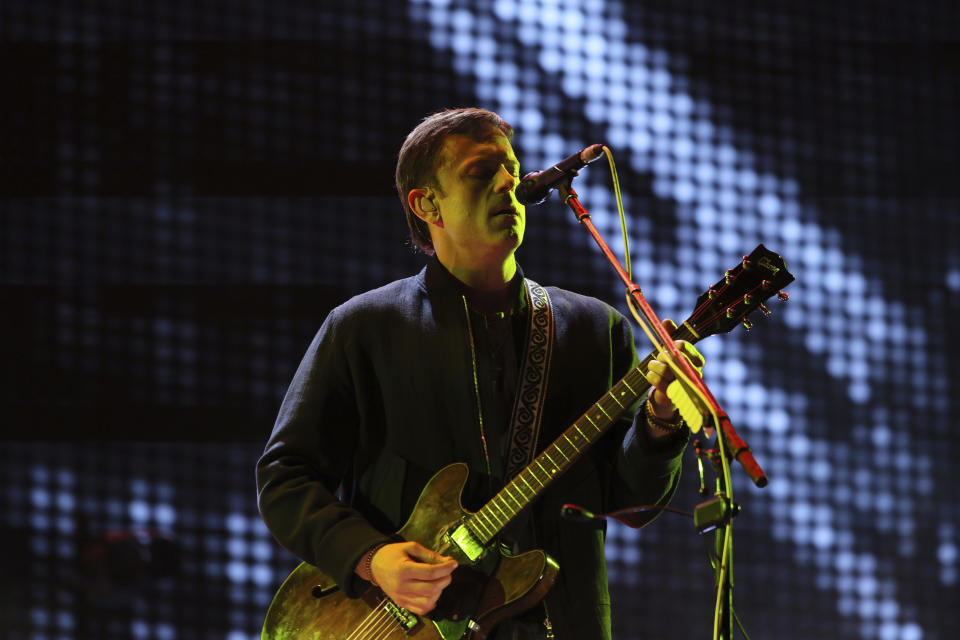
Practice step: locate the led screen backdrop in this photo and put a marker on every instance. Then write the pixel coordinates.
(188, 188)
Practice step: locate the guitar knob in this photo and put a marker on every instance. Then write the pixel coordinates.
(747, 324)
(783, 296)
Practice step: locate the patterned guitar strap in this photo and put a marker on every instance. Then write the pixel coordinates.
(532, 391)
(532, 385)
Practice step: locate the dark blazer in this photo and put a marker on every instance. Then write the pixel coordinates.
(385, 397)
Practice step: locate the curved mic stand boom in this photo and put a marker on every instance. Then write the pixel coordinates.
(733, 445)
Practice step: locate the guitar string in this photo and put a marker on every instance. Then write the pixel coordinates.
(378, 633)
(494, 513)
(498, 515)
(384, 628)
(356, 634)
(371, 620)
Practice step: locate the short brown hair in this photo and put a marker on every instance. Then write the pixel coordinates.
(417, 161)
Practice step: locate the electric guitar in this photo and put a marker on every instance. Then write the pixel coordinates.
(490, 585)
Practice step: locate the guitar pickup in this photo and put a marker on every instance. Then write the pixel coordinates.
(465, 540)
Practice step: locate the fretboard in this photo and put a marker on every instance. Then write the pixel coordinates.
(554, 461)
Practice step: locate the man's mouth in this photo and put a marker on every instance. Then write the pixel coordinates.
(506, 211)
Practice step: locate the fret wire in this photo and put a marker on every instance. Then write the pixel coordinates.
(489, 524)
(523, 494)
(506, 509)
(506, 489)
(616, 409)
(532, 490)
(492, 526)
(536, 478)
(582, 435)
(491, 520)
(600, 406)
(572, 444)
(546, 454)
(519, 490)
(478, 517)
(542, 469)
(615, 398)
(627, 385)
(557, 447)
(490, 507)
(477, 533)
(594, 424)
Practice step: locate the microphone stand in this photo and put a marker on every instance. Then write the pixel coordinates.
(715, 515)
(734, 446)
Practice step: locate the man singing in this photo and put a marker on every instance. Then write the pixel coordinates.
(405, 379)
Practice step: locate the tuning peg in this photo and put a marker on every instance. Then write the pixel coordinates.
(746, 263)
(764, 310)
(728, 276)
(747, 324)
(783, 296)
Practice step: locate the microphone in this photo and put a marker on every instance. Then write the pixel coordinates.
(537, 185)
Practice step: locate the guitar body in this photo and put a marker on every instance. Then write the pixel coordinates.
(487, 591)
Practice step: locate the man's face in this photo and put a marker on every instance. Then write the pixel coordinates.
(480, 214)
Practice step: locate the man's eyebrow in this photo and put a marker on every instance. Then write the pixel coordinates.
(488, 158)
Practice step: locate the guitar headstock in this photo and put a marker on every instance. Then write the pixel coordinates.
(742, 290)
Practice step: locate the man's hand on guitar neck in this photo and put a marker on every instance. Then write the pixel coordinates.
(411, 575)
(659, 375)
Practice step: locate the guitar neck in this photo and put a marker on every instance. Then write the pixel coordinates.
(554, 461)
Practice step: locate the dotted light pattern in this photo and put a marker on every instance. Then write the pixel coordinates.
(136, 540)
(213, 180)
(724, 200)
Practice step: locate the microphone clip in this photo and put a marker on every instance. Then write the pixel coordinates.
(714, 513)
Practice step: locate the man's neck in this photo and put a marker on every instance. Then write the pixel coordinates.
(491, 278)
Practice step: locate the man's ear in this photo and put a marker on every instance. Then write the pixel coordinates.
(423, 203)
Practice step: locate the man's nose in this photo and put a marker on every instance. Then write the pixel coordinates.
(506, 180)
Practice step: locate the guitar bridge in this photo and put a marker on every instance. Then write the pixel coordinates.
(407, 621)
